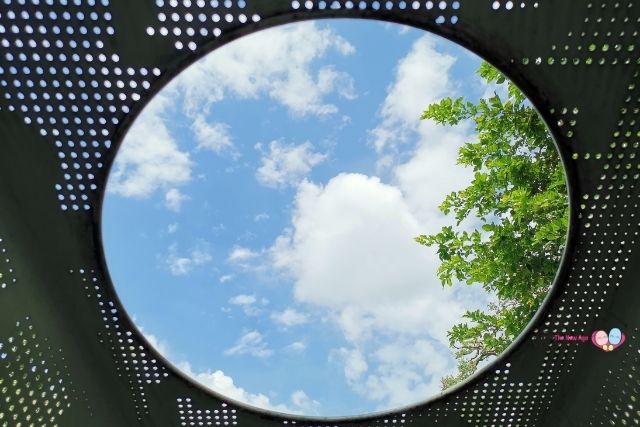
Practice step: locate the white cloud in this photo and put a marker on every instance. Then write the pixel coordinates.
(180, 265)
(200, 255)
(287, 164)
(251, 343)
(161, 346)
(303, 402)
(172, 228)
(359, 218)
(289, 317)
(241, 254)
(353, 360)
(226, 278)
(350, 250)
(211, 136)
(397, 28)
(173, 199)
(221, 383)
(279, 63)
(399, 376)
(243, 299)
(432, 172)
(330, 80)
(262, 216)
(296, 347)
(224, 384)
(149, 158)
(248, 304)
(422, 77)
(400, 370)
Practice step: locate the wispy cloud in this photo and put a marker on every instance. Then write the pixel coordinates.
(161, 346)
(303, 402)
(399, 373)
(289, 317)
(353, 360)
(286, 165)
(224, 384)
(180, 265)
(296, 347)
(214, 136)
(225, 278)
(218, 381)
(174, 198)
(251, 343)
(422, 77)
(281, 64)
(241, 254)
(243, 299)
(250, 303)
(262, 216)
(149, 158)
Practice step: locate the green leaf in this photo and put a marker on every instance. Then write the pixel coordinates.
(517, 202)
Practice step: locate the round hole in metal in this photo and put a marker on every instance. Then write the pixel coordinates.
(265, 214)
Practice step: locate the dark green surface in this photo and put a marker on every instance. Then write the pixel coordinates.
(53, 313)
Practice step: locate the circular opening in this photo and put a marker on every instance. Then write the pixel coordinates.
(335, 218)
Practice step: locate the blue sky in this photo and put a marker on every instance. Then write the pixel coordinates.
(259, 218)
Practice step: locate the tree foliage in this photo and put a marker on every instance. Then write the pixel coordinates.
(511, 221)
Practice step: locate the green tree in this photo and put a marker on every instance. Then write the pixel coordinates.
(515, 214)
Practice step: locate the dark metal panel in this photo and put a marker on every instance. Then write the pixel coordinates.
(74, 74)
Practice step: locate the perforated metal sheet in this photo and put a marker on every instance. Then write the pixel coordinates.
(75, 73)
